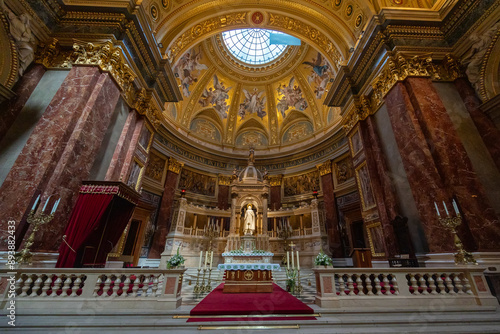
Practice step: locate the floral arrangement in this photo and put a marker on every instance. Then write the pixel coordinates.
(323, 260)
(175, 260)
(291, 275)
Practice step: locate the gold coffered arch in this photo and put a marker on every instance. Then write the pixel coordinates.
(325, 29)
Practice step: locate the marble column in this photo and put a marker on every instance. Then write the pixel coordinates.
(455, 167)
(9, 110)
(233, 224)
(485, 125)
(264, 214)
(332, 223)
(382, 187)
(164, 215)
(61, 150)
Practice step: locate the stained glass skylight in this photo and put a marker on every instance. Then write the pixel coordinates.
(252, 46)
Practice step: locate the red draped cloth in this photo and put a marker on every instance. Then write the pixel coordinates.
(87, 217)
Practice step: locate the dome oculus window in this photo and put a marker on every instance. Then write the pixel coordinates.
(257, 46)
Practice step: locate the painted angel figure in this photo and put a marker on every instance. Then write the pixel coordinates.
(253, 103)
(320, 74)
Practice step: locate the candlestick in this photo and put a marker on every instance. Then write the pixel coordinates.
(201, 255)
(48, 199)
(437, 210)
(293, 265)
(287, 260)
(55, 206)
(298, 264)
(211, 258)
(455, 207)
(446, 209)
(35, 204)
(206, 259)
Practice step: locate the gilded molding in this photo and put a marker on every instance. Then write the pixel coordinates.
(273, 117)
(232, 116)
(325, 168)
(13, 60)
(174, 165)
(224, 180)
(275, 180)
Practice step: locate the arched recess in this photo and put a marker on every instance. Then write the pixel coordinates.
(205, 125)
(297, 131)
(256, 133)
(293, 117)
(316, 25)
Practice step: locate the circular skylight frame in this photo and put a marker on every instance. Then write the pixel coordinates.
(252, 46)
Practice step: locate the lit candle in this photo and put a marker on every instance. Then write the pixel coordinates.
(206, 259)
(35, 204)
(48, 199)
(446, 209)
(55, 206)
(437, 210)
(201, 255)
(293, 265)
(287, 260)
(455, 207)
(298, 264)
(211, 258)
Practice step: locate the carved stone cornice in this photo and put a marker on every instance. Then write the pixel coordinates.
(275, 180)
(325, 168)
(224, 180)
(174, 165)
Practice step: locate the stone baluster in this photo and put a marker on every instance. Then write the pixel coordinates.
(76, 286)
(19, 282)
(350, 285)
(36, 286)
(359, 284)
(395, 285)
(458, 284)
(106, 288)
(467, 286)
(378, 287)
(116, 286)
(413, 284)
(449, 284)
(65, 288)
(126, 286)
(440, 285)
(145, 287)
(154, 287)
(56, 287)
(46, 287)
(341, 286)
(432, 284)
(423, 285)
(369, 286)
(135, 286)
(387, 286)
(97, 287)
(26, 287)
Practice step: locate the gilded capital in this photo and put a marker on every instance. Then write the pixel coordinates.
(174, 165)
(275, 180)
(224, 180)
(325, 168)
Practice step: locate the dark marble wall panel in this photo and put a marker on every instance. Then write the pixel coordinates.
(331, 217)
(223, 197)
(275, 198)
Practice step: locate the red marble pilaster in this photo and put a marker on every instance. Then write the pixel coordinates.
(424, 179)
(223, 197)
(455, 167)
(163, 221)
(275, 198)
(484, 124)
(9, 110)
(381, 183)
(332, 222)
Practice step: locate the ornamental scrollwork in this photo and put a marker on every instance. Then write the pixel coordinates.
(325, 168)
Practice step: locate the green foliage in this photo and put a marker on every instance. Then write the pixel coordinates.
(175, 260)
(323, 260)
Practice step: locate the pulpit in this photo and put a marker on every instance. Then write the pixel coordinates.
(361, 257)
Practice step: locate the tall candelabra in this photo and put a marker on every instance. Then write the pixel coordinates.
(284, 233)
(211, 232)
(35, 220)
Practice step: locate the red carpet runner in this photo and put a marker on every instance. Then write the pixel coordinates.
(255, 306)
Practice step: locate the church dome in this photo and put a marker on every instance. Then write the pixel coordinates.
(250, 174)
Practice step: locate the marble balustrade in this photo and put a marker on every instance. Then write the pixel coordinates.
(66, 288)
(402, 287)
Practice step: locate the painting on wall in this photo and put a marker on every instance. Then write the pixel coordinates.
(356, 142)
(376, 239)
(320, 74)
(197, 183)
(290, 96)
(344, 170)
(251, 139)
(365, 187)
(297, 131)
(188, 69)
(301, 184)
(254, 102)
(205, 129)
(155, 167)
(216, 97)
(145, 137)
(135, 173)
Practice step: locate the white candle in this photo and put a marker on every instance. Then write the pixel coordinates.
(298, 264)
(287, 260)
(446, 209)
(455, 207)
(206, 259)
(437, 210)
(36, 202)
(211, 258)
(55, 206)
(293, 265)
(48, 199)
(201, 255)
